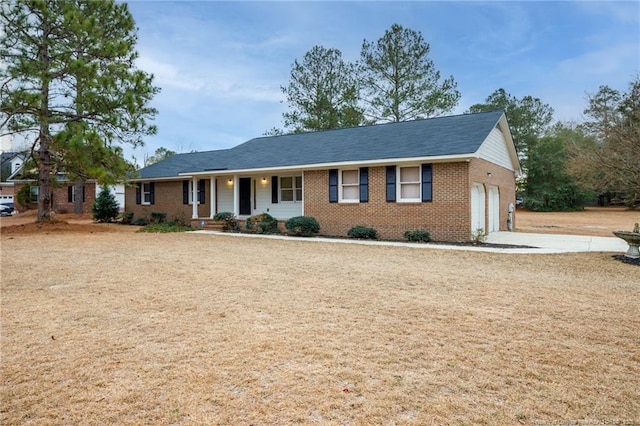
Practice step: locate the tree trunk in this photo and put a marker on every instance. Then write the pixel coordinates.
(44, 153)
(78, 201)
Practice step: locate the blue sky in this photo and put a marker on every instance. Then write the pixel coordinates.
(220, 65)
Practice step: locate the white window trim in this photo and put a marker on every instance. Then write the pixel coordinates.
(399, 184)
(191, 193)
(34, 196)
(142, 193)
(294, 188)
(341, 186)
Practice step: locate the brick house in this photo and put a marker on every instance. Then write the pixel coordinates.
(450, 175)
(63, 196)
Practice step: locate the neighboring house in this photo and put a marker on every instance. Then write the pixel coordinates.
(448, 175)
(64, 195)
(10, 165)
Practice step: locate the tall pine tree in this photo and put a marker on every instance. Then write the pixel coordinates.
(400, 81)
(71, 87)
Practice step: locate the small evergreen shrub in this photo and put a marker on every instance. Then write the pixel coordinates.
(231, 223)
(105, 208)
(158, 217)
(418, 235)
(363, 233)
(24, 197)
(140, 221)
(302, 226)
(262, 223)
(126, 218)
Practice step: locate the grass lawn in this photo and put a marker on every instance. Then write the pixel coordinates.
(117, 327)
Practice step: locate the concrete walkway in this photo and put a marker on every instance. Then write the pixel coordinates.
(537, 243)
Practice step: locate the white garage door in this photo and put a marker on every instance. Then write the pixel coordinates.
(477, 208)
(494, 209)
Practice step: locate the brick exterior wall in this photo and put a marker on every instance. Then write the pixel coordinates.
(168, 199)
(447, 217)
(60, 198)
(504, 179)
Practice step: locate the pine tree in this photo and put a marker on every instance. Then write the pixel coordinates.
(70, 86)
(399, 80)
(105, 208)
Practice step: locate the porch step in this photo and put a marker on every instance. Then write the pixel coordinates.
(208, 224)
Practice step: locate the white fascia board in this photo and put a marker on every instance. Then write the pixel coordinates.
(511, 147)
(342, 164)
(156, 179)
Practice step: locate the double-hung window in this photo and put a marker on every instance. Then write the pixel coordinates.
(349, 186)
(291, 188)
(409, 184)
(146, 193)
(187, 192)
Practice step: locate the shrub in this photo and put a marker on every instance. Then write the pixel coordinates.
(165, 227)
(158, 217)
(262, 223)
(478, 236)
(126, 218)
(24, 197)
(140, 221)
(302, 226)
(418, 235)
(105, 208)
(363, 233)
(231, 223)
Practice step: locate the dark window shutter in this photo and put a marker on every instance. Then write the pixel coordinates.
(333, 185)
(201, 191)
(185, 192)
(138, 193)
(70, 194)
(152, 193)
(83, 195)
(427, 180)
(274, 189)
(364, 184)
(391, 183)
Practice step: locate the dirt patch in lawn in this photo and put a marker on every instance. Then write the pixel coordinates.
(132, 328)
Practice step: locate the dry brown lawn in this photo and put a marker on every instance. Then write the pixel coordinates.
(118, 327)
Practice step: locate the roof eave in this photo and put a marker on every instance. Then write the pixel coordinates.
(336, 165)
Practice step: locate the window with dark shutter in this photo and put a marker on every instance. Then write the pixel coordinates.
(201, 191)
(333, 185)
(152, 191)
(185, 192)
(364, 184)
(70, 194)
(391, 183)
(427, 182)
(274, 189)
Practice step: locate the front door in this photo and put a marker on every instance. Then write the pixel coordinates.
(245, 196)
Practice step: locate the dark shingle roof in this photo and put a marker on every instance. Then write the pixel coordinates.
(453, 135)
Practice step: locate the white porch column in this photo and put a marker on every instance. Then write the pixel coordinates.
(236, 196)
(194, 198)
(212, 196)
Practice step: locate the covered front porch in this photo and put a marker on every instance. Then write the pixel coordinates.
(245, 195)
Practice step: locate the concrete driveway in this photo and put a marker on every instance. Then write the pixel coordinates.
(554, 243)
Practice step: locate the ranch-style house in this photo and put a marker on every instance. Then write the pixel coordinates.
(449, 175)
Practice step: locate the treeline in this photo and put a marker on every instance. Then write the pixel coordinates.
(566, 165)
